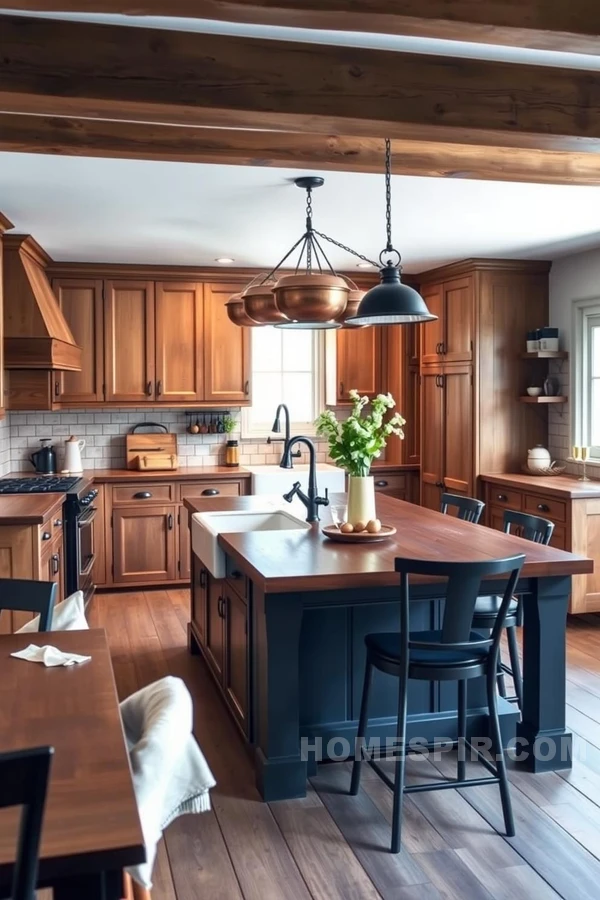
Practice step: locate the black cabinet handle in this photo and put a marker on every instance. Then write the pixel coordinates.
(57, 523)
(440, 484)
(341, 388)
(543, 507)
(443, 349)
(46, 536)
(202, 578)
(381, 484)
(210, 492)
(221, 607)
(502, 497)
(57, 388)
(247, 388)
(170, 522)
(142, 495)
(149, 388)
(55, 563)
(158, 388)
(235, 573)
(438, 349)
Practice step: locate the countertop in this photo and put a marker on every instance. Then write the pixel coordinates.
(563, 486)
(196, 473)
(28, 509)
(286, 561)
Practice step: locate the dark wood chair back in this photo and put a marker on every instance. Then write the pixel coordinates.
(468, 508)
(29, 596)
(24, 782)
(463, 586)
(533, 528)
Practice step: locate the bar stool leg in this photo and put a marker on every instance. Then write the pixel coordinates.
(362, 729)
(461, 749)
(498, 753)
(500, 679)
(513, 649)
(400, 768)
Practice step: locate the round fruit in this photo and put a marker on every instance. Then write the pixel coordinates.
(359, 526)
(374, 526)
(347, 528)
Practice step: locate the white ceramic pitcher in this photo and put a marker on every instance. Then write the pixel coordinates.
(73, 448)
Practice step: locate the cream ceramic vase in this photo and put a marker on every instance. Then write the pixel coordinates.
(361, 499)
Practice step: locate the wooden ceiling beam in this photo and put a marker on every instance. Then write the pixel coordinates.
(127, 140)
(55, 67)
(558, 25)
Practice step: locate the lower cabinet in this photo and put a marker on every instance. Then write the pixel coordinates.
(220, 624)
(52, 566)
(144, 546)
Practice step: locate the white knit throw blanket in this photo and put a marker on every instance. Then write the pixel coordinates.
(170, 775)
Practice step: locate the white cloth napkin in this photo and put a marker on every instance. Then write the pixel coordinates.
(49, 656)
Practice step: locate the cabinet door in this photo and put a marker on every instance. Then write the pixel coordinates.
(129, 341)
(411, 410)
(585, 540)
(235, 674)
(358, 362)
(144, 544)
(432, 437)
(458, 318)
(81, 303)
(432, 333)
(227, 350)
(52, 567)
(179, 342)
(215, 626)
(199, 599)
(458, 430)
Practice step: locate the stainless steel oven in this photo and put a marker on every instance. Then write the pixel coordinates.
(80, 555)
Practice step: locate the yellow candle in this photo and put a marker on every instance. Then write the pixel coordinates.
(585, 453)
(576, 452)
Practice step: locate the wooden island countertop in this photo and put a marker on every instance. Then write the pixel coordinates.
(28, 509)
(279, 562)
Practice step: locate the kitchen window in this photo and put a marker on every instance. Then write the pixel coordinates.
(287, 367)
(587, 377)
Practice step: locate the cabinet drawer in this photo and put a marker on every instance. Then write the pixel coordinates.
(390, 483)
(210, 489)
(559, 538)
(237, 580)
(507, 499)
(143, 492)
(547, 507)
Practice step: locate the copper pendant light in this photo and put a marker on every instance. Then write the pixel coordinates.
(237, 313)
(313, 300)
(259, 302)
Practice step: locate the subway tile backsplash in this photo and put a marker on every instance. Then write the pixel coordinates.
(104, 433)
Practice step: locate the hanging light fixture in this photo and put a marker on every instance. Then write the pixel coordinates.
(237, 313)
(390, 302)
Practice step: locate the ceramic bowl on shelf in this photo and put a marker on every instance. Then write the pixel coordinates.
(534, 391)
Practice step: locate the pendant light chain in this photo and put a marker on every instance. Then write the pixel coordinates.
(309, 230)
(389, 248)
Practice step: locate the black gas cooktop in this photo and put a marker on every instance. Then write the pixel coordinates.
(44, 484)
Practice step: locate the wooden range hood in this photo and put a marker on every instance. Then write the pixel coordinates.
(36, 334)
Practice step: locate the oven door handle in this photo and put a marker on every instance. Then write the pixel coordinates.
(88, 568)
(88, 516)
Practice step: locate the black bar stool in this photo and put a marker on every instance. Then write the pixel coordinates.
(469, 509)
(454, 653)
(19, 595)
(532, 528)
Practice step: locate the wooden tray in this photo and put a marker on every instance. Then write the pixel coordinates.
(362, 537)
(155, 462)
(140, 445)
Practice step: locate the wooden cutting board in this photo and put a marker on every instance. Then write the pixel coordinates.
(147, 445)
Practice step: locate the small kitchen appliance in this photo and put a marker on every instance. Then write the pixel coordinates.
(44, 460)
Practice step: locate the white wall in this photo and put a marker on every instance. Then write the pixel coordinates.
(575, 277)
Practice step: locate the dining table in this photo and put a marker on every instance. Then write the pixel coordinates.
(91, 829)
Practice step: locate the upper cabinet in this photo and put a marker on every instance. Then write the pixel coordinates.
(353, 362)
(181, 346)
(450, 338)
(227, 349)
(80, 301)
(129, 341)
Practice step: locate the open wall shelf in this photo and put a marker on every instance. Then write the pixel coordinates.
(542, 399)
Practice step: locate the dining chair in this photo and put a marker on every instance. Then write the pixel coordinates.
(39, 597)
(452, 653)
(532, 528)
(468, 509)
(23, 782)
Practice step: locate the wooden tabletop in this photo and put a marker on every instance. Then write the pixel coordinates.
(91, 820)
(565, 486)
(28, 509)
(306, 560)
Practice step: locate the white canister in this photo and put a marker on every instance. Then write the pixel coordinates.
(538, 458)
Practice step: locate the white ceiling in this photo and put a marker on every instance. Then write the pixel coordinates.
(140, 211)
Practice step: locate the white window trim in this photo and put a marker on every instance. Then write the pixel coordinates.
(249, 433)
(583, 310)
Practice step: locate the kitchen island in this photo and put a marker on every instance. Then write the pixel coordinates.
(283, 633)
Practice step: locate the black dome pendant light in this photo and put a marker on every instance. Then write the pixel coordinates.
(390, 302)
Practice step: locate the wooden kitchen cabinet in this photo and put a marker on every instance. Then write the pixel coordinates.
(432, 437)
(199, 598)
(53, 566)
(144, 543)
(81, 302)
(235, 671)
(227, 350)
(450, 338)
(129, 341)
(214, 645)
(359, 363)
(180, 346)
(572, 506)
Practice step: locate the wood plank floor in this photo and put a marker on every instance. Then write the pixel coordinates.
(330, 846)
